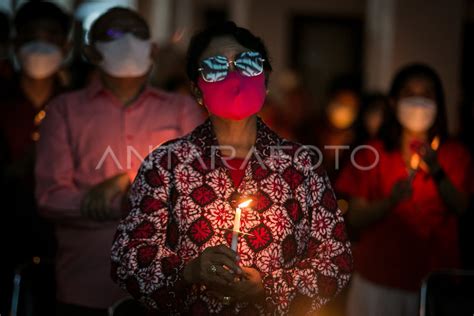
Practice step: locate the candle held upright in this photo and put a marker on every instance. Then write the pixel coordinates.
(236, 229)
(414, 164)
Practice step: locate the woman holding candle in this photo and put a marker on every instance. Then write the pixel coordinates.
(405, 213)
(173, 251)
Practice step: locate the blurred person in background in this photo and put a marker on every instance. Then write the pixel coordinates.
(6, 67)
(406, 194)
(169, 73)
(466, 119)
(372, 113)
(337, 132)
(40, 44)
(288, 110)
(92, 143)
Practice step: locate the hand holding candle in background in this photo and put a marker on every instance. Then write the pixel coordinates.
(424, 157)
(414, 164)
(428, 155)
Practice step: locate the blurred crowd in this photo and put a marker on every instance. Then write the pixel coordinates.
(65, 103)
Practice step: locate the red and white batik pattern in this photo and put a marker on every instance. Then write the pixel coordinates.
(184, 200)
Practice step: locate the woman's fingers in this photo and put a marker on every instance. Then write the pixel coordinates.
(224, 274)
(93, 208)
(101, 208)
(213, 279)
(223, 249)
(85, 209)
(225, 261)
(218, 265)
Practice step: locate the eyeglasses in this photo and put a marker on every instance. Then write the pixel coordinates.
(216, 68)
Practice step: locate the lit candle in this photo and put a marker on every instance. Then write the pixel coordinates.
(414, 163)
(236, 230)
(435, 143)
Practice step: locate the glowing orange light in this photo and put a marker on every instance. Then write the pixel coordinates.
(343, 205)
(415, 161)
(39, 117)
(35, 136)
(178, 35)
(435, 143)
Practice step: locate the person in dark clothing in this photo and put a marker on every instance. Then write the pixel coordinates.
(40, 44)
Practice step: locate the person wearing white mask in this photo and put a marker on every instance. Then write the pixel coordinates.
(92, 142)
(39, 44)
(406, 193)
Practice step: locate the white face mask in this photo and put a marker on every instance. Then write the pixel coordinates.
(40, 59)
(127, 56)
(417, 114)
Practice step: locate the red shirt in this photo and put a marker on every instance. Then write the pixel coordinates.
(237, 170)
(419, 235)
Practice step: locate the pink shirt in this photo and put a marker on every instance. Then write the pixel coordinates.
(87, 137)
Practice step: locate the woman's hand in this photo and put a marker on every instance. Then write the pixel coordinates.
(429, 156)
(247, 288)
(401, 190)
(456, 200)
(215, 267)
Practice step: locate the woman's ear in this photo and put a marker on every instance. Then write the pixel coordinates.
(92, 55)
(197, 93)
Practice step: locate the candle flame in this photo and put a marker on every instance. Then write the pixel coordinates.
(415, 161)
(39, 117)
(245, 204)
(435, 143)
(178, 35)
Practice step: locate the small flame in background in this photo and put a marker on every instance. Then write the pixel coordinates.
(245, 203)
(39, 117)
(435, 143)
(178, 35)
(415, 161)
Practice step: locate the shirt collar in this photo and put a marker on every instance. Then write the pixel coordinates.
(205, 138)
(96, 87)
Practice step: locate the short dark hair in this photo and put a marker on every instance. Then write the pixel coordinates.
(41, 10)
(110, 11)
(344, 82)
(200, 41)
(390, 133)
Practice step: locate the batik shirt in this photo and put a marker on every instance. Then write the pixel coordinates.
(183, 201)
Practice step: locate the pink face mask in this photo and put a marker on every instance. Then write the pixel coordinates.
(236, 97)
